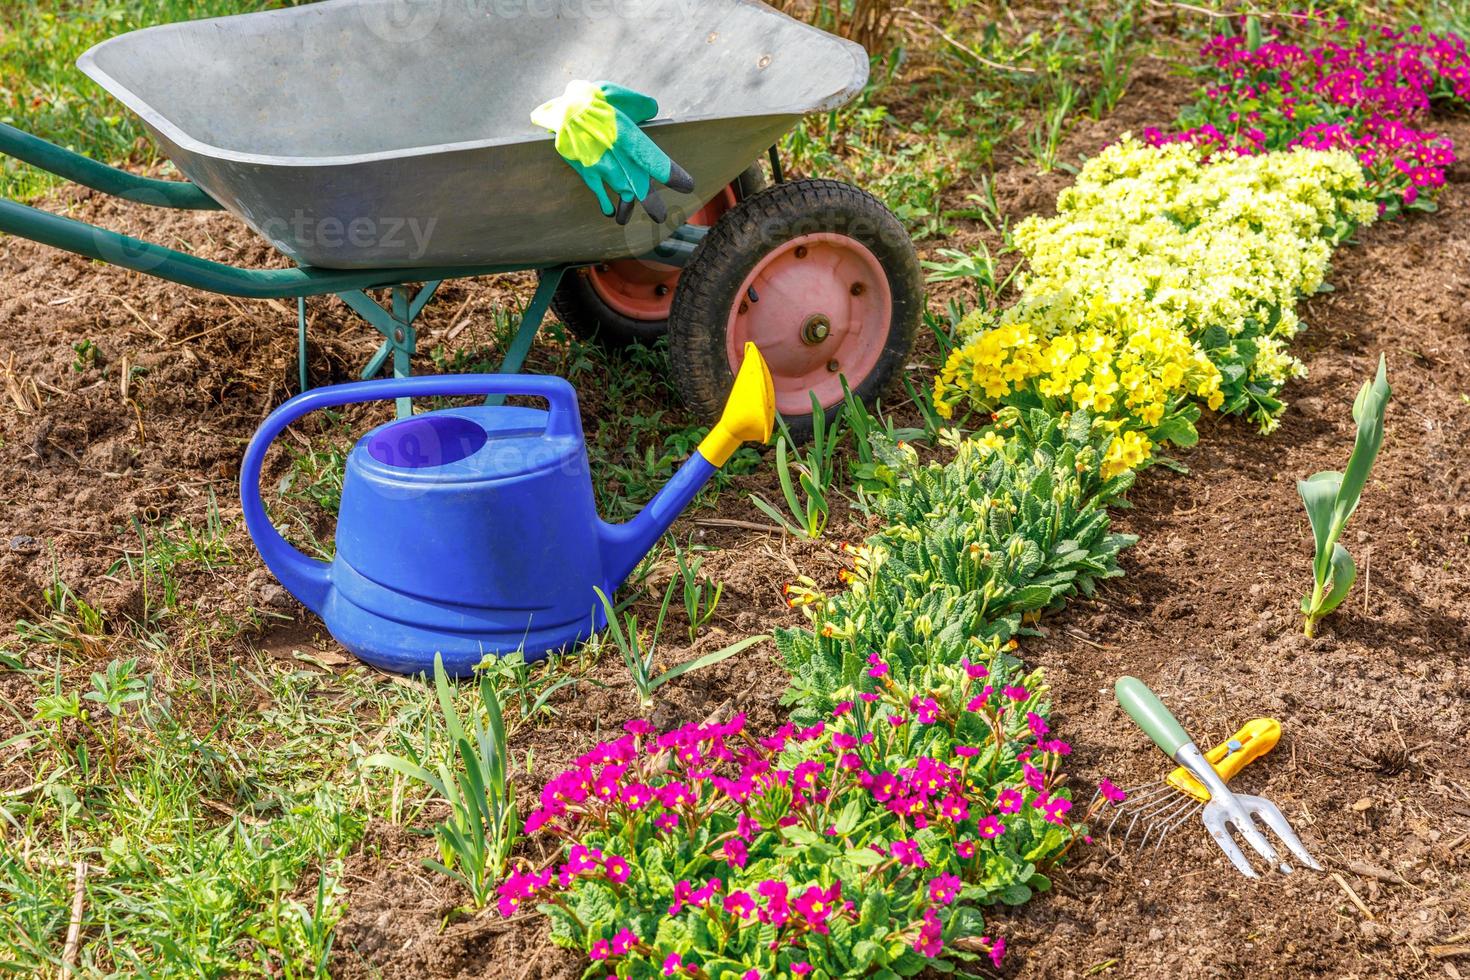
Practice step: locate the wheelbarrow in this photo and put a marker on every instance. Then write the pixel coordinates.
(387, 144)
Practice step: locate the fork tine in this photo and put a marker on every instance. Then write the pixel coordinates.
(1273, 818)
(1256, 839)
(1221, 833)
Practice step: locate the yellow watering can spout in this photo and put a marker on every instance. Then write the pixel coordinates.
(750, 414)
(750, 411)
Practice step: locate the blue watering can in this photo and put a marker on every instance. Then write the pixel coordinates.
(473, 531)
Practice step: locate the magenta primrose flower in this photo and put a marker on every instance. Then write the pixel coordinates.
(876, 666)
(907, 852)
(777, 910)
(735, 852)
(975, 672)
(740, 904)
(1110, 792)
(816, 906)
(615, 868)
(944, 889)
(1055, 809)
(1009, 801)
(929, 942)
(991, 827)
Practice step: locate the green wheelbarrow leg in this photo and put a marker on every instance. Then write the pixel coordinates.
(301, 342)
(400, 338)
(531, 318)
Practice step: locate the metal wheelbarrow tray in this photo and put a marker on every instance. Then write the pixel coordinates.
(386, 143)
(378, 134)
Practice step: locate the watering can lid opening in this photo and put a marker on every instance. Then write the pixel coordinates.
(475, 443)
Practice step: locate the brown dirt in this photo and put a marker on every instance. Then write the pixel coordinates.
(1372, 769)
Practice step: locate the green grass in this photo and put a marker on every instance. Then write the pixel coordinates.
(43, 92)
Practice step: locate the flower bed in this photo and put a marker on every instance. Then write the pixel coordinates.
(858, 844)
(1366, 91)
(920, 777)
(1166, 283)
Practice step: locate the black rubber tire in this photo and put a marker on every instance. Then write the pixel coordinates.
(588, 317)
(721, 263)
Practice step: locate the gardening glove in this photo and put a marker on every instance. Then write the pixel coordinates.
(596, 127)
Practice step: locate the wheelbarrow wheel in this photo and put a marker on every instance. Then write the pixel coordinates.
(627, 301)
(816, 273)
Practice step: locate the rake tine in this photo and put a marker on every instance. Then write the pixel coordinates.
(1129, 806)
(1147, 816)
(1167, 823)
(1278, 823)
(1163, 816)
(1188, 814)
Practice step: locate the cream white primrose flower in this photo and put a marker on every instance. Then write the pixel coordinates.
(1155, 239)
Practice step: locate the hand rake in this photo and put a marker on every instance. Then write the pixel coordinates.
(1226, 811)
(1159, 808)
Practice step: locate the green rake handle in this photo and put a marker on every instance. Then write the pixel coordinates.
(1149, 713)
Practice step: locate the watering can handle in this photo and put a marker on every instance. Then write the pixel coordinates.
(309, 579)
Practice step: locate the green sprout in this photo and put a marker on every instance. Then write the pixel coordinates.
(1331, 498)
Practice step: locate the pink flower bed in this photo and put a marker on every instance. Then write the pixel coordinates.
(1368, 91)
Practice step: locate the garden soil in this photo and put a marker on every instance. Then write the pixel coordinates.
(1374, 765)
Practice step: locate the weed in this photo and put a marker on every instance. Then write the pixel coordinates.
(532, 689)
(701, 597)
(1111, 43)
(977, 267)
(639, 657)
(1045, 138)
(87, 354)
(483, 825)
(869, 471)
(814, 468)
(73, 625)
(169, 552)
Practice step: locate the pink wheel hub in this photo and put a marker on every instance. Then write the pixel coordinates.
(645, 290)
(819, 308)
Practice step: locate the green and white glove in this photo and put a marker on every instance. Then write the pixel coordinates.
(596, 127)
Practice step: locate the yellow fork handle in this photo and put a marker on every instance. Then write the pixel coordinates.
(1255, 738)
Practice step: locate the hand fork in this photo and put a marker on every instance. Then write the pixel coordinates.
(1226, 811)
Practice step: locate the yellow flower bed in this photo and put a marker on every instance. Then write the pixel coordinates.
(1163, 285)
